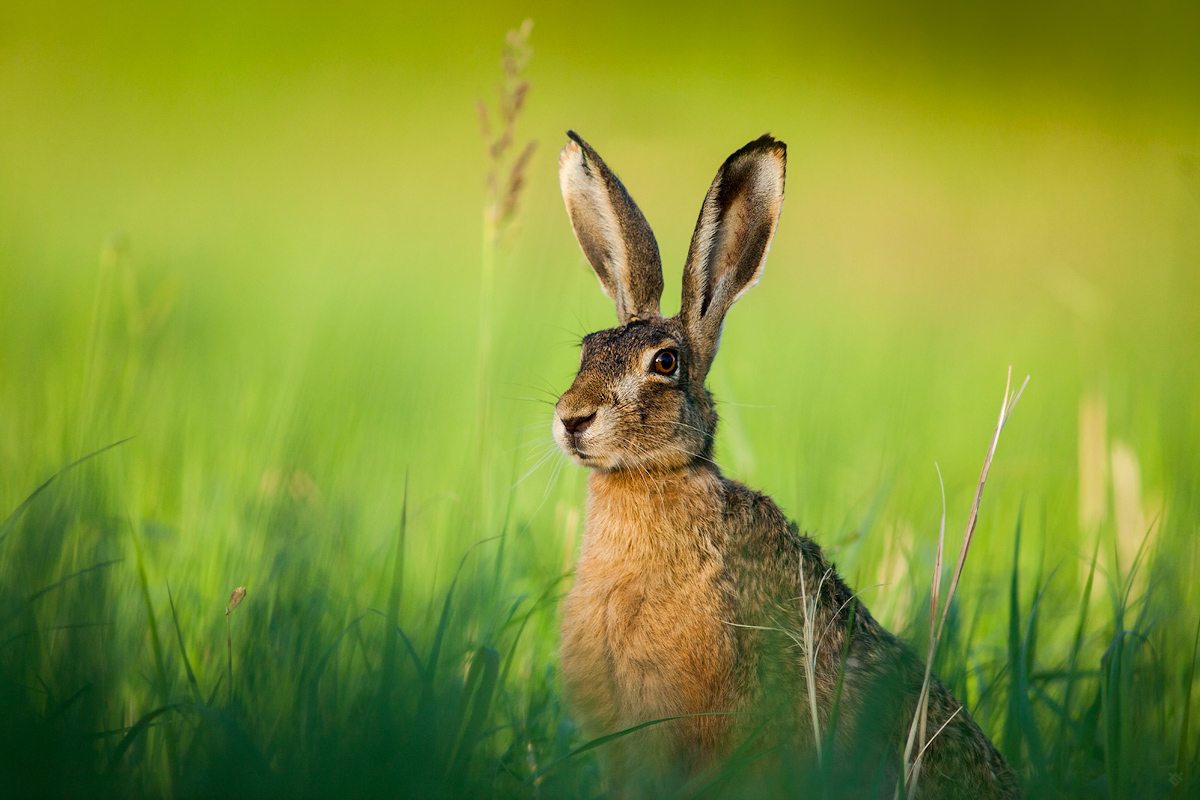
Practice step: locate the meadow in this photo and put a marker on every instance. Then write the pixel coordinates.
(262, 326)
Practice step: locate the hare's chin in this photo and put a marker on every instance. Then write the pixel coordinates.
(576, 454)
(584, 458)
(591, 458)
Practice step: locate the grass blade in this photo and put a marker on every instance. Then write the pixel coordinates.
(187, 664)
(1028, 725)
(837, 689)
(425, 704)
(612, 737)
(62, 707)
(391, 643)
(1006, 409)
(412, 651)
(59, 583)
(484, 671)
(730, 771)
(160, 670)
(155, 643)
(512, 650)
(1072, 675)
(1012, 726)
(134, 732)
(213, 694)
(12, 519)
(40, 593)
(1182, 763)
(909, 772)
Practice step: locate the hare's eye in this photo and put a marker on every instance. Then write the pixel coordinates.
(665, 362)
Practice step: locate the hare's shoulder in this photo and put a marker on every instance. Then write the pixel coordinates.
(772, 565)
(767, 552)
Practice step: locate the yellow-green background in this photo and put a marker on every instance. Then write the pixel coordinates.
(250, 236)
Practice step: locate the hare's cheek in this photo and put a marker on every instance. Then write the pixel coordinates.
(627, 391)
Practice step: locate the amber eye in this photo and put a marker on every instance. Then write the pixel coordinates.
(664, 362)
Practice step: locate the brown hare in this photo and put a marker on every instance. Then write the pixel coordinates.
(687, 581)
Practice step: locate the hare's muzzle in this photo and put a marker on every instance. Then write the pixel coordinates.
(579, 424)
(574, 430)
(573, 423)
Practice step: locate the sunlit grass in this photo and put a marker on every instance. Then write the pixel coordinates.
(289, 331)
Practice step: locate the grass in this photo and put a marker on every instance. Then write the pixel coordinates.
(919, 737)
(459, 698)
(289, 333)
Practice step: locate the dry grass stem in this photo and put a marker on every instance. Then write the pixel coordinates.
(235, 600)
(506, 174)
(919, 726)
(504, 184)
(810, 645)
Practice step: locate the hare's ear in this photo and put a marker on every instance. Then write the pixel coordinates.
(732, 237)
(612, 232)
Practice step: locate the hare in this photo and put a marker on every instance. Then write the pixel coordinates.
(687, 582)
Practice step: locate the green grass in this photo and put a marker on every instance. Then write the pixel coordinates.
(255, 248)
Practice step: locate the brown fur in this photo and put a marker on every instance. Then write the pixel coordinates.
(687, 582)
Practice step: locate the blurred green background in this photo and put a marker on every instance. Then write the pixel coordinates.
(250, 236)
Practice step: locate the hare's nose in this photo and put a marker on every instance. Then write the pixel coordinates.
(576, 425)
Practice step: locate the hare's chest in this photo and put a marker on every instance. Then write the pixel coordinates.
(639, 644)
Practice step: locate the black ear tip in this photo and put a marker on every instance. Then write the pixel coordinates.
(586, 153)
(767, 142)
(763, 144)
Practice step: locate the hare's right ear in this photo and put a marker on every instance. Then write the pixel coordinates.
(732, 237)
(611, 231)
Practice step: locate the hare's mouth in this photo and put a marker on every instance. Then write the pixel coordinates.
(582, 457)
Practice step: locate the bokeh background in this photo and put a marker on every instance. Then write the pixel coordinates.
(252, 237)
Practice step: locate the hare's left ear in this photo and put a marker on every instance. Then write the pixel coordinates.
(612, 232)
(732, 237)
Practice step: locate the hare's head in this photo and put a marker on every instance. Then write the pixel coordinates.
(639, 399)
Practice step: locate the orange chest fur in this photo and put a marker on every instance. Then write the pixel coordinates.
(644, 640)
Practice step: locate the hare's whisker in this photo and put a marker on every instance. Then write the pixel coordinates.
(534, 469)
(548, 450)
(558, 465)
(549, 487)
(533, 425)
(530, 399)
(645, 476)
(523, 445)
(678, 423)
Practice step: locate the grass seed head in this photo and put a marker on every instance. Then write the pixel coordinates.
(235, 599)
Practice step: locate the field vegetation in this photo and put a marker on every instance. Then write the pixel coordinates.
(275, 316)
